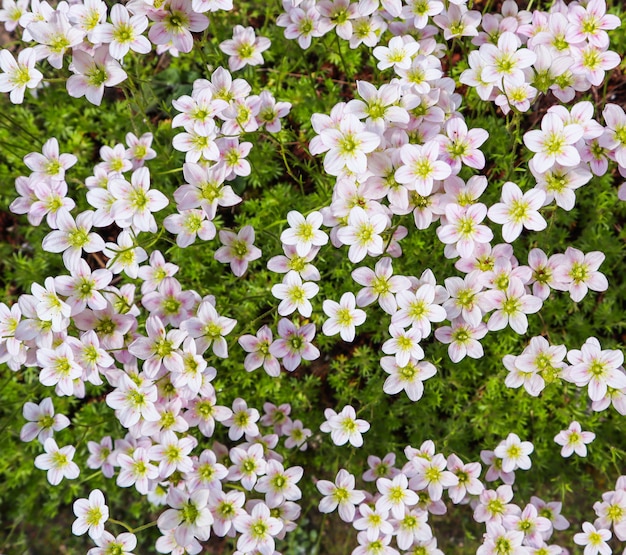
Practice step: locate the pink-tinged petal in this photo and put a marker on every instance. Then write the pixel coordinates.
(511, 231)
(597, 282)
(534, 140)
(568, 157)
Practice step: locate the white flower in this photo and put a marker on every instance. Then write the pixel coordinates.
(345, 426)
(343, 316)
(42, 421)
(514, 453)
(574, 440)
(340, 494)
(295, 294)
(91, 515)
(304, 233)
(19, 75)
(58, 462)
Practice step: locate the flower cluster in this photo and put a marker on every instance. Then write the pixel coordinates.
(400, 151)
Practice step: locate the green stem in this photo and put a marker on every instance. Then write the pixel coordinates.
(144, 526)
(122, 524)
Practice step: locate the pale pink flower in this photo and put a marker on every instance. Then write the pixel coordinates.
(432, 474)
(172, 453)
(50, 164)
(592, 62)
(614, 137)
(133, 402)
(413, 527)
(517, 211)
(245, 48)
(59, 368)
(296, 434)
(551, 511)
(294, 344)
(463, 339)
(511, 307)
(530, 524)
(596, 368)
(345, 427)
(594, 540)
(497, 536)
(159, 348)
(58, 462)
(380, 284)
(612, 511)
(464, 298)
(304, 233)
(395, 495)
(294, 295)
(242, 421)
(543, 273)
(506, 60)
(343, 316)
(209, 329)
(238, 249)
(125, 256)
(348, 145)
(554, 144)
(268, 111)
(409, 378)
(574, 440)
(55, 36)
(205, 189)
(379, 107)
(139, 149)
(590, 23)
(514, 453)
(279, 485)
(468, 476)
(258, 349)
(91, 515)
(189, 515)
(341, 494)
(257, 530)
(380, 468)
(460, 145)
(421, 167)
(175, 25)
(301, 24)
(233, 156)
(404, 344)
(457, 22)
(136, 201)
(363, 234)
(189, 224)
(108, 543)
(282, 264)
(137, 470)
(42, 422)
(493, 505)
(373, 520)
(418, 11)
(225, 508)
(124, 33)
(577, 272)
(464, 229)
(73, 237)
(50, 199)
(93, 73)
(155, 272)
(19, 75)
(338, 15)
